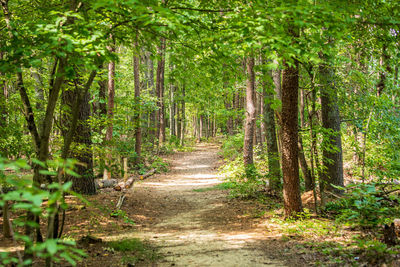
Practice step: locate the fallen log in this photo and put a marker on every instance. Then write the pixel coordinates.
(129, 182)
(105, 183)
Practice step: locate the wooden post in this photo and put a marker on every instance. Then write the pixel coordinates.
(125, 169)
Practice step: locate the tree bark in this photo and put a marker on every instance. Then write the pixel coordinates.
(160, 91)
(289, 137)
(271, 139)
(250, 114)
(83, 138)
(110, 111)
(308, 181)
(332, 148)
(172, 109)
(138, 128)
(3, 100)
(183, 117)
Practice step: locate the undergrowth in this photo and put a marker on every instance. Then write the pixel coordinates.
(134, 250)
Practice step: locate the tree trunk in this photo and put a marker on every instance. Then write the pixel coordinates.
(308, 181)
(201, 127)
(183, 118)
(160, 92)
(3, 101)
(110, 112)
(258, 132)
(178, 121)
(138, 128)
(272, 142)
(289, 137)
(332, 147)
(83, 139)
(172, 109)
(250, 115)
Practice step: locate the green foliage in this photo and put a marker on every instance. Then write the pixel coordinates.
(364, 205)
(232, 147)
(122, 214)
(221, 186)
(134, 250)
(28, 198)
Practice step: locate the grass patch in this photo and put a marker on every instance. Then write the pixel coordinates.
(221, 186)
(135, 250)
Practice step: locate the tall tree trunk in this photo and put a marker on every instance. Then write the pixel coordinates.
(160, 91)
(178, 121)
(110, 111)
(183, 117)
(3, 100)
(332, 147)
(271, 138)
(172, 109)
(258, 133)
(250, 115)
(153, 114)
(289, 137)
(308, 181)
(138, 127)
(201, 127)
(83, 139)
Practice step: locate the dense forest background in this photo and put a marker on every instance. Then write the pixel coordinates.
(303, 95)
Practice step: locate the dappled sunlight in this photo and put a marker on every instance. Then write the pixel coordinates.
(11, 249)
(202, 176)
(189, 166)
(176, 183)
(196, 236)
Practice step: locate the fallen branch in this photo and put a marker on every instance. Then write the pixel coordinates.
(129, 182)
(120, 201)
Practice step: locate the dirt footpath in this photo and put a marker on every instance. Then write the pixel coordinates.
(196, 228)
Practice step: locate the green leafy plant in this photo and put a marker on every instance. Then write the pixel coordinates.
(364, 205)
(27, 198)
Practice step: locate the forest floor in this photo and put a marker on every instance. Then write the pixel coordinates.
(195, 227)
(182, 218)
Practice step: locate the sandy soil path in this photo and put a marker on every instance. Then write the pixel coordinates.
(195, 228)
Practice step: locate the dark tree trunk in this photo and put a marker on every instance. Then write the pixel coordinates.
(271, 139)
(250, 115)
(332, 148)
(289, 137)
(153, 114)
(3, 101)
(259, 122)
(83, 139)
(172, 111)
(160, 92)
(308, 181)
(138, 128)
(103, 98)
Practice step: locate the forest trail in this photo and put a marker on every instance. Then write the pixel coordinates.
(193, 228)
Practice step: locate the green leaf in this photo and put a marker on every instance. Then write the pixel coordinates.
(51, 246)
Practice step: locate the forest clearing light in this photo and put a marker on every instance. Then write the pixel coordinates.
(188, 166)
(11, 249)
(184, 183)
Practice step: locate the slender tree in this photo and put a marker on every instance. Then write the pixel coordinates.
(138, 128)
(250, 114)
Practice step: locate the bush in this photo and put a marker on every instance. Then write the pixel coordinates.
(232, 147)
(365, 205)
